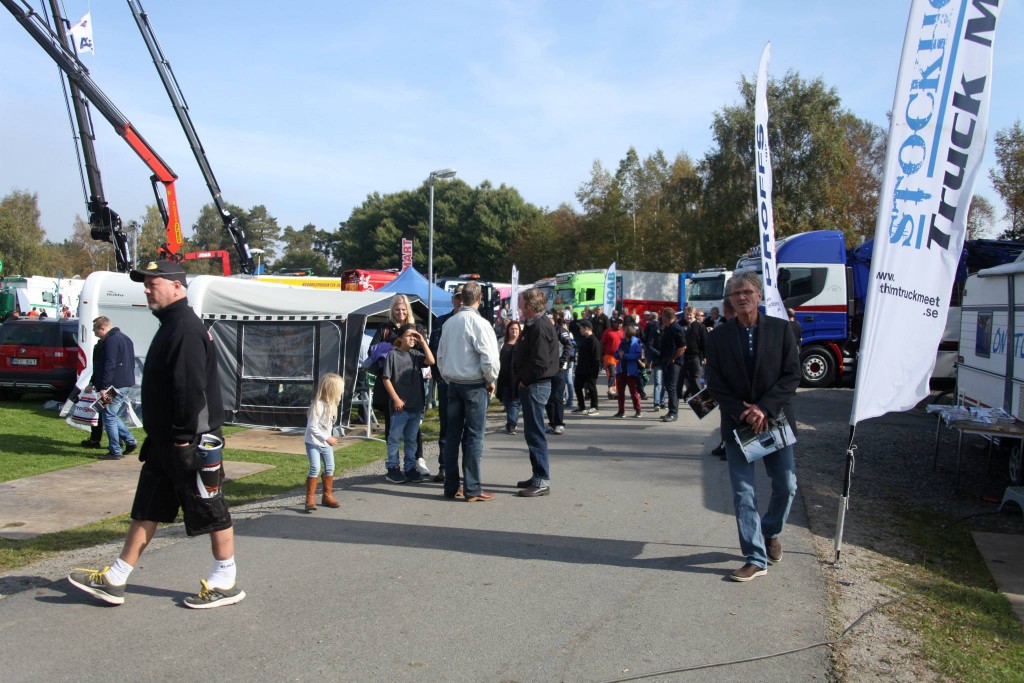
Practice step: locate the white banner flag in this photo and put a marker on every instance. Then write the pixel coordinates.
(513, 304)
(609, 290)
(81, 35)
(763, 169)
(936, 141)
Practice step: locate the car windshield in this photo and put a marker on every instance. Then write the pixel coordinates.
(707, 288)
(565, 297)
(30, 334)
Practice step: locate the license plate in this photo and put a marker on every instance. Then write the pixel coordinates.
(23, 361)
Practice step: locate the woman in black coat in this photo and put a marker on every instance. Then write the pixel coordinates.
(505, 389)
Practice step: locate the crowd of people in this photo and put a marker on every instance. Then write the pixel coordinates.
(750, 364)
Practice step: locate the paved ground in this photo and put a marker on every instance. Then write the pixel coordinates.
(621, 571)
(79, 495)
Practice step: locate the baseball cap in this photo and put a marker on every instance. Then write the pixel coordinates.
(458, 290)
(587, 324)
(160, 268)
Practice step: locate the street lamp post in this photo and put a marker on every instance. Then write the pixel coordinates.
(434, 175)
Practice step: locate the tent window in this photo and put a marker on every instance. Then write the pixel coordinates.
(278, 351)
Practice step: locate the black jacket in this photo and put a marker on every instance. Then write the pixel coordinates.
(181, 397)
(776, 373)
(113, 361)
(588, 357)
(537, 351)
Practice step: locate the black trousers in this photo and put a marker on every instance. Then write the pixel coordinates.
(692, 369)
(586, 387)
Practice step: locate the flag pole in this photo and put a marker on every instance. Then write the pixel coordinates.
(844, 500)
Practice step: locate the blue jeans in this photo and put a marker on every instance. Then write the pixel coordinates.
(404, 426)
(112, 424)
(533, 399)
(658, 377)
(752, 527)
(467, 419)
(511, 411)
(556, 400)
(570, 379)
(317, 452)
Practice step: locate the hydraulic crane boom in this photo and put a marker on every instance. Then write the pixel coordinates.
(104, 223)
(163, 68)
(79, 75)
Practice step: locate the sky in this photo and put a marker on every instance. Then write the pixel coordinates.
(309, 108)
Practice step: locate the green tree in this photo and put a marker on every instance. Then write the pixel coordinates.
(826, 167)
(22, 236)
(209, 233)
(301, 250)
(981, 217)
(474, 229)
(152, 233)
(1008, 178)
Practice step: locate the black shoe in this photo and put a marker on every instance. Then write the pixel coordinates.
(111, 456)
(413, 476)
(619, 414)
(89, 443)
(671, 417)
(394, 476)
(439, 477)
(130, 448)
(534, 491)
(718, 450)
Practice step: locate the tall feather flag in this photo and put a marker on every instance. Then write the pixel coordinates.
(773, 305)
(936, 142)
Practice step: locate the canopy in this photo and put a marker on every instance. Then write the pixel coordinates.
(411, 283)
(274, 342)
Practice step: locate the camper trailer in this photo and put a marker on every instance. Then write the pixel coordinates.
(990, 367)
(273, 341)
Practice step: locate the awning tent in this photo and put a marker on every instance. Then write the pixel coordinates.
(274, 342)
(411, 283)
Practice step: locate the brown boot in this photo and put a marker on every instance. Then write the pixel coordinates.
(328, 499)
(310, 494)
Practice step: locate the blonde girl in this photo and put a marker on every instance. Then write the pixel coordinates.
(320, 441)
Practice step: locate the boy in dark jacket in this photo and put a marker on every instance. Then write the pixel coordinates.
(588, 367)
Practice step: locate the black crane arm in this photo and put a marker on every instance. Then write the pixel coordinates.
(163, 68)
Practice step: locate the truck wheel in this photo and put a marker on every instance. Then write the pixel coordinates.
(817, 367)
(1016, 465)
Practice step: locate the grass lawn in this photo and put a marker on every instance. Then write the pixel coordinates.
(37, 441)
(968, 630)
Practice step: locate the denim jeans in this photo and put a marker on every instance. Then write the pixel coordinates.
(315, 453)
(533, 399)
(556, 401)
(467, 419)
(570, 379)
(658, 376)
(404, 426)
(112, 424)
(672, 377)
(511, 411)
(752, 527)
(442, 416)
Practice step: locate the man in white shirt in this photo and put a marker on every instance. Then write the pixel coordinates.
(468, 360)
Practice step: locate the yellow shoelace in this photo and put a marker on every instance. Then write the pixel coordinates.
(95, 575)
(206, 593)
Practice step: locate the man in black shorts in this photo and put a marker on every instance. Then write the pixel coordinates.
(181, 403)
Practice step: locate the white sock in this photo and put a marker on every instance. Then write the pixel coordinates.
(223, 573)
(118, 573)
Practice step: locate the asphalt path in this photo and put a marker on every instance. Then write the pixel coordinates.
(621, 571)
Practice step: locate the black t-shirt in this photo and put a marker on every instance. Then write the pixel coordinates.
(673, 338)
